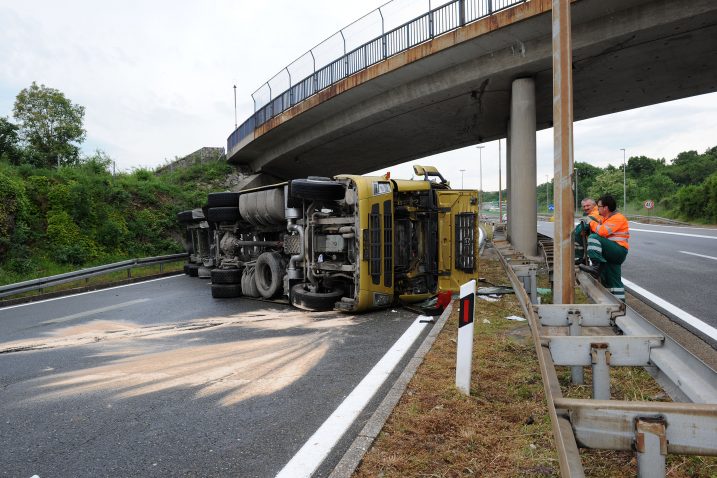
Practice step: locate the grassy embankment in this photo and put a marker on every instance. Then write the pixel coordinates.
(55, 221)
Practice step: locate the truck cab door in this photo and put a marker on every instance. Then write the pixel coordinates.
(457, 237)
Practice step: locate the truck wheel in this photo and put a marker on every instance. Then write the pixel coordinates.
(193, 270)
(223, 214)
(316, 190)
(303, 298)
(248, 285)
(185, 217)
(226, 276)
(225, 291)
(269, 274)
(225, 199)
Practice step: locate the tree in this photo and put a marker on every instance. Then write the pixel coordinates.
(50, 126)
(9, 141)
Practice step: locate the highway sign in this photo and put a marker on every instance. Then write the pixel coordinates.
(551, 207)
(649, 204)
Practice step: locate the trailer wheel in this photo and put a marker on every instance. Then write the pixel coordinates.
(224, 199)
(193, 270)
(269, 274)
(316, 190)
(226, 276)
(223, 214)
(248, 285)
(226, 291)
(303, 298)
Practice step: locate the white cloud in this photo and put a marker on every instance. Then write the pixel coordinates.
(156, 78)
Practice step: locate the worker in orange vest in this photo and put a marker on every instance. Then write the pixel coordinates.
(608, 246)
(591, 213)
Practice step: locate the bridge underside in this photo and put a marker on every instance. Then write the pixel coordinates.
(626, 54)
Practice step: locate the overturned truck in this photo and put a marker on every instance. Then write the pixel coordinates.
(348, 243)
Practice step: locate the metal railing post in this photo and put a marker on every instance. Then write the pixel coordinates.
(651, 446)
(600, 358)
(461, 12)
(577, 375)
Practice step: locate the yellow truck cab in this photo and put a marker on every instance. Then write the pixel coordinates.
(348, 243)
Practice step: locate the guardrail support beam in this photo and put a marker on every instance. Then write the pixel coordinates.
(577, 374)
(651, 447)
(600, 357)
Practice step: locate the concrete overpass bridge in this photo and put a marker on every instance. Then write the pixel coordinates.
(473, 71)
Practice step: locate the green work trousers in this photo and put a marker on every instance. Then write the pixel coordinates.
(577, 238)
(611, 255)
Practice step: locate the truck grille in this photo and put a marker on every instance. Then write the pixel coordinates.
(465, 241)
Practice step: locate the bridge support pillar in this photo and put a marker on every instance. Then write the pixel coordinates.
(508, 184)
(524, 210)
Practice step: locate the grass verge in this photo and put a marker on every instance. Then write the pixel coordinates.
(502, 429)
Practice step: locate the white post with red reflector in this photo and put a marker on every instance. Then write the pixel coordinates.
(464, 348)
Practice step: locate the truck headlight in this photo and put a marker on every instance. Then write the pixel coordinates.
(380, 300)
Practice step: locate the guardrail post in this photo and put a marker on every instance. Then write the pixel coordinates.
(464, 344)
(600, 358)
(651, 446)
(577, 375)
(129, 273)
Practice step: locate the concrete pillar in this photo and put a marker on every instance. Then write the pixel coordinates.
(508, 185)
(524, 212)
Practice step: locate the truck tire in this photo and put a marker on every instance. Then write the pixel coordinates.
(226, 276)
(225, 199)
(303, 298)
(185, 217)
(269, 274)
(248, 286)
(316, 190)
(223, 214)
(193, 270)
(226, 291)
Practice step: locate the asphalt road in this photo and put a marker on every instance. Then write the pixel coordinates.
(678, 264)
(159, 379)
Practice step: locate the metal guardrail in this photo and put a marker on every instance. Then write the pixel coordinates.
(651, 429)
(662, 220)
(334, 59)
(43, 282)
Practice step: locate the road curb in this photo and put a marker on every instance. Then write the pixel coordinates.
(353, 456)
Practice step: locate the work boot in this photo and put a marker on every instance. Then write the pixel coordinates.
(592, 270)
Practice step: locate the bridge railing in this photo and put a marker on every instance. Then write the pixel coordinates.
(333, 59)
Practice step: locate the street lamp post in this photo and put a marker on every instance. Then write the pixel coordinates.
(480, 180)
(235, 106)
(624, 182)
(547, 187)
(462, 171)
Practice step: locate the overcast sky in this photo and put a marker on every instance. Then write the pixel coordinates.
(156, 79)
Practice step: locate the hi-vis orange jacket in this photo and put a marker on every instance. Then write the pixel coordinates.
(614, 228)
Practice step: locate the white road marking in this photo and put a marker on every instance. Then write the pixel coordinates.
(686, 317)
(699, 255)
(674, 233)
(320, 444)
(87, 313)
(85, 293)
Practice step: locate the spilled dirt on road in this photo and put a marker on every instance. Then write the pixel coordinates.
(231, 371)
